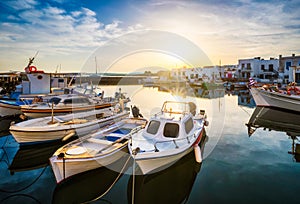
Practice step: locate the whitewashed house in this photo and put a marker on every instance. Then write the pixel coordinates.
(262, 70)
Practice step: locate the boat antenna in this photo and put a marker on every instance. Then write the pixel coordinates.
(96, 64)
(31, 59)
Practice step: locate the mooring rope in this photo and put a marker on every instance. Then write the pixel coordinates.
(133, 180)
(103, 194)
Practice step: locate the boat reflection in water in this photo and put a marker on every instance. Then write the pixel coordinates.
(171, 185)
(34, 156)
(90, 185)
(278, 120)
(186, 90)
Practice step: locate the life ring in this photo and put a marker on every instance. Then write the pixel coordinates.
(32, 69)
(294, 89)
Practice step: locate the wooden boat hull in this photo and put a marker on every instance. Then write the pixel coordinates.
(102, 148)
(43, 112)
(153, 165)
(275, 99)
(9, 108)
(27, 136)
(153, 162)
(66, 168)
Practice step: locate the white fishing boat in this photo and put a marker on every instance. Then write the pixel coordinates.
(275, 98)
(50, 128)
(169, 135)
(66, 103)
(10, 107)
(102, 148)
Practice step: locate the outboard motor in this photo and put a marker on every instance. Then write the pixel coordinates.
(136, 112)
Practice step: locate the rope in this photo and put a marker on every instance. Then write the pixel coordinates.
(4, 142)
(5, 191)
(245, 111)
(133, 180)
(103, 194)
(24, 195)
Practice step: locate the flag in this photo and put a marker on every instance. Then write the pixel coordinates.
(251, 82)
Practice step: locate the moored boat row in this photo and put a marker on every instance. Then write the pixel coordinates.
(155, 145)
(50, 128)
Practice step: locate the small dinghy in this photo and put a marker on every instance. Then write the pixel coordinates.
(52, 128)
(92, 151)
(169, 135)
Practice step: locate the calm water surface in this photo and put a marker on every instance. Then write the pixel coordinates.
(236, 168)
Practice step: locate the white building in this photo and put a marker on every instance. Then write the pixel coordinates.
(260, 69)
(287, 67)
(207, 74)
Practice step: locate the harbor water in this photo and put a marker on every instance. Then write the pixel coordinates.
(236, 168)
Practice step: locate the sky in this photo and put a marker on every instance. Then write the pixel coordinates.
(130, 35)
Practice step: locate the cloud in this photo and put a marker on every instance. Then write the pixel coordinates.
(21, 4)
(243, 27)
(52, 30)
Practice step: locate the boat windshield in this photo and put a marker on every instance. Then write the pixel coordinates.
(153, 127)
(189, 124)
(171, 130)
(178, 107)
(76, 100)
(55, 100)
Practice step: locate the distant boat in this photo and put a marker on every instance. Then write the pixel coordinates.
(102, 148)
(34, 83)
(47, 129)
(169, 135)
(272, 98)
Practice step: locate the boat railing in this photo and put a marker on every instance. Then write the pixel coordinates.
(176, 141)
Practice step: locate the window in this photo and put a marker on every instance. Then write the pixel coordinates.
(153, 127)
(287, 65)
(54, 100)
(271, 67)
(262, 67)
(189, 125)
(76, 100)
(248, 66)
(171, 130)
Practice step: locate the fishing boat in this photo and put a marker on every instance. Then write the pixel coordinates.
(46, 129)
(169, 135)
(272, 97)
(34, 83)
(64, 104)
(92, 151)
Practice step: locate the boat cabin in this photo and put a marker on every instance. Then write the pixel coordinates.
(173, 121)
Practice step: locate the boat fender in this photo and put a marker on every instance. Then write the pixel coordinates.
(68, 136)
(206, 123)
(198, 155)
